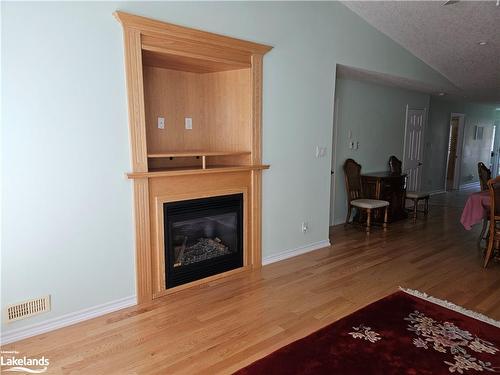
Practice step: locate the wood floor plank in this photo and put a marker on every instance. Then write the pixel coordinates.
(229, 323)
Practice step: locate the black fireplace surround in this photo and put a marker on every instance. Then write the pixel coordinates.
(203, 237)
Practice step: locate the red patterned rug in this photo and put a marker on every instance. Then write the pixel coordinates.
(407, 332)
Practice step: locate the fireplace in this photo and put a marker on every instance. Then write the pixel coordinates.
(203, 237)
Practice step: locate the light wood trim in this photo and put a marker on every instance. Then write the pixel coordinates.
(194, 153)
(142, 241)
(203, 281)
(137, 128)
(184, 171)
(158, 258)
(152, 27)
(256, 199)
(159, 275)
(257, 109)
(256, 218)
(135, 93)
(179, 46)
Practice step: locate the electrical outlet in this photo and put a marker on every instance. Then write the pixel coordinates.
(161, 122)
(305, 226)
(188, 123)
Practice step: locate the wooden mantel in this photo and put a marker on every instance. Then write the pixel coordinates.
(176, 73)
(195, 171)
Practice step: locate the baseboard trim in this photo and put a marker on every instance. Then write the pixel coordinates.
(469, 185)
(294, 252)
(437, 192)
(13, 335)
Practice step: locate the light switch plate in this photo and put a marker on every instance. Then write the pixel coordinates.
(320, 151)
(188, 122)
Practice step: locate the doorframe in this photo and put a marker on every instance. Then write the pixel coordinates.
(408, 108)
(333, 159)
(460, 144)
(496, 148)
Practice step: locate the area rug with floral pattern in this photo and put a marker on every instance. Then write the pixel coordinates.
(407, 332)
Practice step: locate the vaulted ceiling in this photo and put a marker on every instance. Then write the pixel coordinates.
(447, 38)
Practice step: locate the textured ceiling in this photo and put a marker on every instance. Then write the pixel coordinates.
(446, 38)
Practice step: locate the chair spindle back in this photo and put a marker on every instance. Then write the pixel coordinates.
(395, 165)
(484, 175)
(494, 188)
(352, 172)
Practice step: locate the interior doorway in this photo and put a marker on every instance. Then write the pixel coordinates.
(333, 161)
(454, 157)
(414, 147)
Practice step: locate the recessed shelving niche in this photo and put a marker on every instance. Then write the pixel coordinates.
(216, 95)
(174, 72)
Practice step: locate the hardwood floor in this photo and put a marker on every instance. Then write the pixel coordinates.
(232, 322)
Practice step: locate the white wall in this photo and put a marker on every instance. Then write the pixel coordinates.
(375, 116)
(67, 208)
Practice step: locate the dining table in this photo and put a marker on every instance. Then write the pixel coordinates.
(476, 209)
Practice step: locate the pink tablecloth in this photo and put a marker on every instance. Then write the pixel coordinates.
(476, 209)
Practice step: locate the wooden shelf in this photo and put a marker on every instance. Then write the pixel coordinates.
(197, 153)
(194, 170)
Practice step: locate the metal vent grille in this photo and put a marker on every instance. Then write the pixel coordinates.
(28, 308)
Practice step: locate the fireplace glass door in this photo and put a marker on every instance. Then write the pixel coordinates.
(203, 237)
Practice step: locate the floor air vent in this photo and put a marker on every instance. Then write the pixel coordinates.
(28, 308)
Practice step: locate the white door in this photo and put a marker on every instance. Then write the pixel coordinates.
(414, 147)
(454, 160)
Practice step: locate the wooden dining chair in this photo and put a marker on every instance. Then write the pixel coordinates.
(494, 230)
(484, 175)
(396, 167)
(355, 197)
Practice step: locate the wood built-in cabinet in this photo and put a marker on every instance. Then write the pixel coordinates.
(177, 73)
